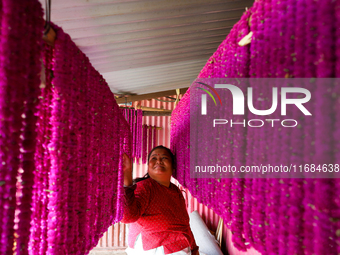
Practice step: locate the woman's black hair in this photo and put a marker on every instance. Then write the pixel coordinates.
(146, 176)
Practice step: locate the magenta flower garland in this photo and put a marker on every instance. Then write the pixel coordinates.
(69, 140)
(149, 138)
(21, 21)
(154, 136)
(79, 192)
(28, 145)
(325, 236)
(132, 130)
(139, 133)
(336, 136)
(45, 113)
(278, 216)
(145, 144)
(337, 38)
(336, 133)
(135, 119)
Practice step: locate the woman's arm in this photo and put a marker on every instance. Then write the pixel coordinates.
(136, 199)
(127, 169)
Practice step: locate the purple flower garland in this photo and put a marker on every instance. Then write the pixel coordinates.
(74, 186)
(132, 130)
(289, 41)
(139, 123)
(145, 144)
(154, 136)
(19, 82)
(28, 145)
(135, 120)
(149, 138)
(324, 233)
(85, 126)
(337, 38)
(336, 133)
(45, 113)
(76, 151)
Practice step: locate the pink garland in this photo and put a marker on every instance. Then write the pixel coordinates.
(132, 130)
(154, 136)
(337, 38)
(237, 212)
(149, 138)
(336, 133)
(134, 118)
(93, 123)
(295, 211)
(28, 145)
(145, 144)
(325, 237)
(280, 216)
(300, 39)
(45, 113)
(139, 133)
(74, 188)
(19, 82)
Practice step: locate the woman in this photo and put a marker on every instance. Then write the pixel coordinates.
(156, 208)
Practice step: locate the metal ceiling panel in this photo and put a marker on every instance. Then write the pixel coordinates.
(146, 46)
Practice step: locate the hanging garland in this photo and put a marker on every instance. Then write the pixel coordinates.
(76, 186)
(139, 133)
(149, 138)
(137, 129)
(154, 136)
(145, 144)
(279, 216)
(21, 29)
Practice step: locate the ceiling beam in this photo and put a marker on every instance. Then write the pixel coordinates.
(156, 113)
(133, 98)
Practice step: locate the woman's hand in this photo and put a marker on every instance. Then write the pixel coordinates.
(127, 169)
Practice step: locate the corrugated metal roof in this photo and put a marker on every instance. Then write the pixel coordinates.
(148, 45)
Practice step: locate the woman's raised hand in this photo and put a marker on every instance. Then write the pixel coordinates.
(127, 168)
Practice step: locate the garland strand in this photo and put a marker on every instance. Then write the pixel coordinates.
(145, 150)
(149, 138)
(154, 136)
(280, 216)
(139, 133)
(19, 69)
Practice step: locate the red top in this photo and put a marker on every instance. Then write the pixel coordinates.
(159, 214)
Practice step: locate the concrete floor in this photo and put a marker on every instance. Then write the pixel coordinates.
(96, 252)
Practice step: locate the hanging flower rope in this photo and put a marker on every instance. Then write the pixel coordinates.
(139, 127)
(132, 130)
(20, 44)
(154, 136)
(145, 144)
(276, 216)
(140, 145)
(76, 195)
(149, 138)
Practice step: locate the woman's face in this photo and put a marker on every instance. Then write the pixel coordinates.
(160, 165)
